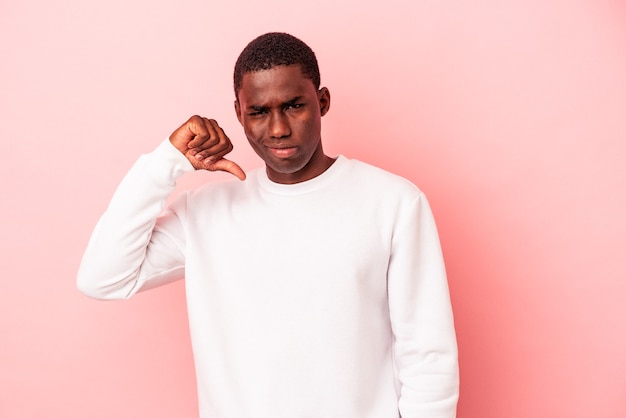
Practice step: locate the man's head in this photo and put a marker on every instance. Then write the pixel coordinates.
(279, 104)
(274, 49)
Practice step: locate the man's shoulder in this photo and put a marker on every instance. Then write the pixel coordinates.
(227, 188)
(380, 180)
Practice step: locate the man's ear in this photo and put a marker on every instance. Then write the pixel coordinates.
(323, 96)
(238, 111)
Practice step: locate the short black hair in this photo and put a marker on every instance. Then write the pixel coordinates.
(273, 49)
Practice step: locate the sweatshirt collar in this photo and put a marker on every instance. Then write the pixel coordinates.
(303, 187)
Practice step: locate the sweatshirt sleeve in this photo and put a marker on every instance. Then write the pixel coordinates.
(135, 245)
(425, 349)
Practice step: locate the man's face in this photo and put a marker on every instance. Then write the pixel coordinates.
(280, 111)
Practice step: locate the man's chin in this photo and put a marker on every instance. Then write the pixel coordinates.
(285, 165)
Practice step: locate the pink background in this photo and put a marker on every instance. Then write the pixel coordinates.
(510, 115)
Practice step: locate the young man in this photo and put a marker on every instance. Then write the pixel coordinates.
(315, 288)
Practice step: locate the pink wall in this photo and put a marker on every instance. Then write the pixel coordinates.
(511, 115)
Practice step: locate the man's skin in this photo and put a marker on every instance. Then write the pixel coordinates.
(280, 111)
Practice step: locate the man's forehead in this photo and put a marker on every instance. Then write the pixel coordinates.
(280, 82)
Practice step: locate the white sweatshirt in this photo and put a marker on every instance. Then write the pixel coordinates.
(321, 299)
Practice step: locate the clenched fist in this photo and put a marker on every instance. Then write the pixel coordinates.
(205, 144)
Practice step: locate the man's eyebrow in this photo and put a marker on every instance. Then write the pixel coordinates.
(259, 107)
(293, 101)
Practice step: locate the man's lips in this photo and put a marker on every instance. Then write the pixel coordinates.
(283, 152)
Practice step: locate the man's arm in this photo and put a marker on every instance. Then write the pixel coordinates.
(134, 245)
(421, 317)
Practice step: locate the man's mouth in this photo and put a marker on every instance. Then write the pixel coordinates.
(283, 152)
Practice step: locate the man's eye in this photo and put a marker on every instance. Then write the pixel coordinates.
(294, 106)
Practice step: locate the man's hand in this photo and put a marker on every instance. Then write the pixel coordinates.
(205, 144)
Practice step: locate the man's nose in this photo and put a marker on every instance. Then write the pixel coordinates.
(279, 125)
